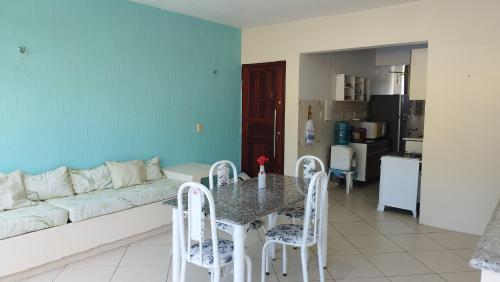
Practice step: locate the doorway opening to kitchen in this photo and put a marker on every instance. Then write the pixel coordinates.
(371, 101)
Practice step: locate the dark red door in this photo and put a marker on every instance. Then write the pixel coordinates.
(263, 116)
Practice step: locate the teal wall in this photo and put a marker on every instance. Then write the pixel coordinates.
(114, 80)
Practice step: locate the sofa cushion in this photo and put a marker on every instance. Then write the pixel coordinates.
(89, 205)
(50, 184)
(88, 180)
(12, 194)
(127, 174)
(29, 219)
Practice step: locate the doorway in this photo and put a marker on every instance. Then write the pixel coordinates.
(263, 116)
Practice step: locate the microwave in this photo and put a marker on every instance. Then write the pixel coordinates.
(374, 129)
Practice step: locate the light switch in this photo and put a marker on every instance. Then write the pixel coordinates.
(199, 128)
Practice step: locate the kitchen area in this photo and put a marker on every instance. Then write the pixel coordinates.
(371, 101)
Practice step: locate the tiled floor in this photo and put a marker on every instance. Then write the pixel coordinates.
(363, 246)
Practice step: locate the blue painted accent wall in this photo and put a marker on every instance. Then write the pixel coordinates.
(114, 80)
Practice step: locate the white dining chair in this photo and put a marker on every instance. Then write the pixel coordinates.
(207, 253)
(306, 235)
(223, 178)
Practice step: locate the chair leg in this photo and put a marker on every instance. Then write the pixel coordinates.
(249, 268)
(183, 271)
(320, 262)
(284, 260)
(303, 257)
(265, 262)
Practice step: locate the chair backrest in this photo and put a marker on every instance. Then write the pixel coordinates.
(342, 157)
(197, 197)
(314, 208)
(223, 175)
(309, 166)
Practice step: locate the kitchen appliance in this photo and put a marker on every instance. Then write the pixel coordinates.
(374, 129)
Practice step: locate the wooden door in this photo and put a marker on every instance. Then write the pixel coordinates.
(263, 110)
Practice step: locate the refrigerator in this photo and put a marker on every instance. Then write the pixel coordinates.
(389, 103)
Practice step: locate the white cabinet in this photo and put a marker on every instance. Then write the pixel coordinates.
(418, 74)
(352, 88)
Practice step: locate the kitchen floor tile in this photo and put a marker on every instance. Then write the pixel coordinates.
(417, 278)
(415, 242)
(94, 274)
(372, 279)
(294, 270)
(147, 255)
(47, 276)
(374, 244)
(340, 246)
(394, 264)
(464, 253)
(160, 239)
(392, 227)
(462, 276)
(110, 258)
(442, 261)
(351, 266)
(150, 273)
(355, 228)
(454, 240)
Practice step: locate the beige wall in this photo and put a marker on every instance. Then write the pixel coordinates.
(461, 151)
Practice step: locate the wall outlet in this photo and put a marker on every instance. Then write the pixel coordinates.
(199, 128)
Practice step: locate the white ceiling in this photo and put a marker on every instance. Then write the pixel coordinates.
(252, 13)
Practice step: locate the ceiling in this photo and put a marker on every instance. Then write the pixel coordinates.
(252, 13)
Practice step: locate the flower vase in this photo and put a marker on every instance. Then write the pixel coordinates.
(262, 177)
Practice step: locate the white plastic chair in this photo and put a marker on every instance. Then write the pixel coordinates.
(342, 163)
(305, 235)
(214, 253)
(223, 178)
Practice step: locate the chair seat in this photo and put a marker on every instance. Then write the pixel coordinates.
(254, 225)
(293, 212)
(288, 233)
(226, 248)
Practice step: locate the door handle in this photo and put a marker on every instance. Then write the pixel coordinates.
(274, 135)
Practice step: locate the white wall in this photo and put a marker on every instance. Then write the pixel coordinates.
(461, 152)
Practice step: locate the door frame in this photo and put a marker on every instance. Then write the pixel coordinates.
(280, 117)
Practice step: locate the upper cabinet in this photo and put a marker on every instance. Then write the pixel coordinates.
(351, 88)
(418, 74)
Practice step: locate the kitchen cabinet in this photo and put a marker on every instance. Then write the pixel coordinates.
(367, 155)
(418, 74)
(352, 88)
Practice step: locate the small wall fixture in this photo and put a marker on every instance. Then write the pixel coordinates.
(22, 49)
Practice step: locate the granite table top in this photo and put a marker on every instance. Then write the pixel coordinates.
(243, 202)
(487, 253)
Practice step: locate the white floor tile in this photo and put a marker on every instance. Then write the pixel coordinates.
(392, 227)
(462, 276)
(149, 273)
(417, 278)
(455, 240)
(94, 274)
(394, 264)
(443, 261)
(374, 244)
(340, 246)
(415, 242)
(351, 266)
(160, 239)
(147, 255)
(373, 279)
(47, 276)
(294, 270)
(355, 228)
(110, 258)
(465, 253)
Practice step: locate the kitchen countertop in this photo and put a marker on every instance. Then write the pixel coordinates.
(371, 141)
(487, 253)
(413, 139)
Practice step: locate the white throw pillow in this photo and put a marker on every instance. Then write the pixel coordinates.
(51, 184)
(127, 174)
(153, 169)
(12, 194)
(88, 180)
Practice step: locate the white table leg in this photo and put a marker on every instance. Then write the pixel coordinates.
(239, 235)
(271, 223)
(176, 251)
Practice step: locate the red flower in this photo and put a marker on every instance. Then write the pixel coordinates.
(262, 160)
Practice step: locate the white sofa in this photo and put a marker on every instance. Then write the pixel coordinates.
(63, 227)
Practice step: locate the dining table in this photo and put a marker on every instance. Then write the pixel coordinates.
(239, 204)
